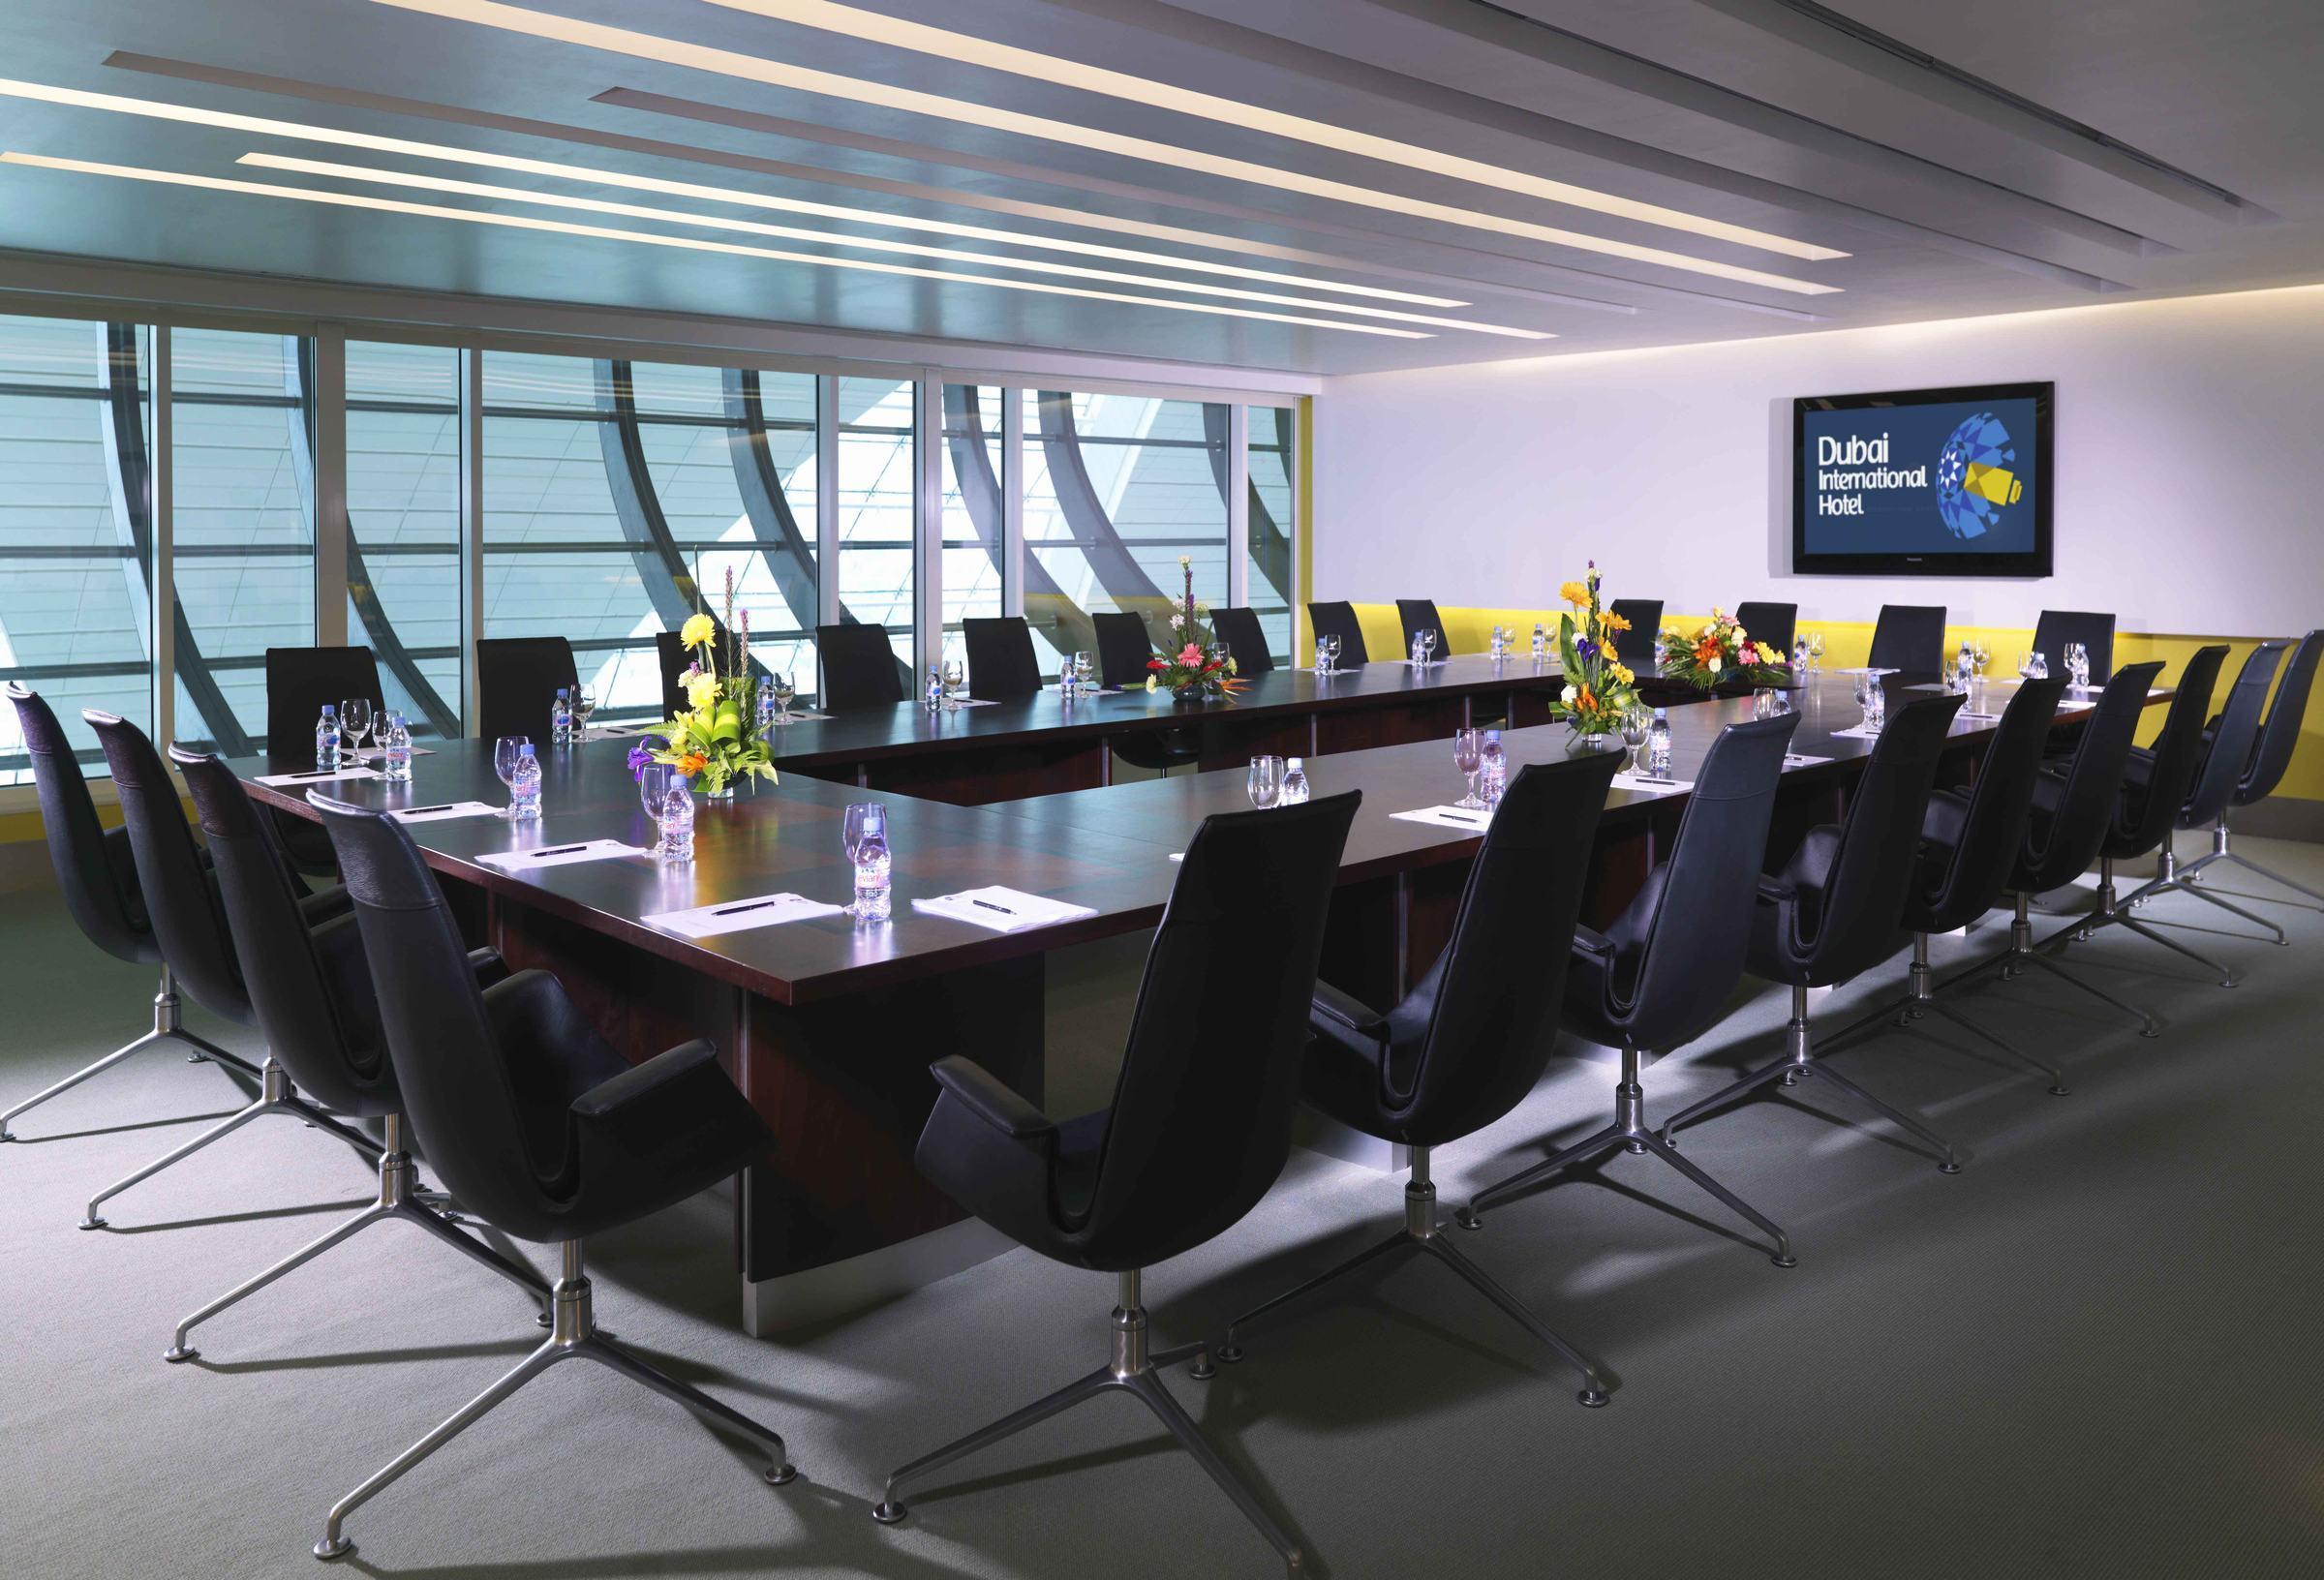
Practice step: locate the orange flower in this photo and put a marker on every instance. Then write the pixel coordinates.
(1609, 620)
(693, 763)
(1708, 649)
(1584, 701)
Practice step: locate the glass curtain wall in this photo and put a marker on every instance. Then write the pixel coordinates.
(1117, 488)
(976, 491)
(879, 509)
(75, 527)
(403, 521)
(1272, 572)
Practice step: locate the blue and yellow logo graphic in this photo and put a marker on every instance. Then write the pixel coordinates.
(1973, 480)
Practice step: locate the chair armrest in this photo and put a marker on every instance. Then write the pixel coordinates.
(1779, 890)
(1345, 1008)
(488, 966)
(1590, 941)
(985, 1096)
(642, 1083)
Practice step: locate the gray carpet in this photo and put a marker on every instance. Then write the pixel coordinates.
(2092, 1354)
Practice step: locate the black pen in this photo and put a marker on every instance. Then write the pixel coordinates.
(1648, 778)
(561, 850)
(1456, 817)
(990, 906)
(754, 905)
(409, 810)
(318, 774)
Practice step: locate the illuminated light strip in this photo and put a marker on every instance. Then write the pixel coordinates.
(163, 111)
(921, 39)
(621, 41)
(518, 222)
(640, 211)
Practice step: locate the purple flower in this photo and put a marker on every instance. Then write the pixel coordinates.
(641, 755)
(1583, 648)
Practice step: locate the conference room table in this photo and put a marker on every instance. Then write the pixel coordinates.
(828, 1025)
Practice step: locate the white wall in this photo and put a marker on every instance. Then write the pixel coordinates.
(2189, 468)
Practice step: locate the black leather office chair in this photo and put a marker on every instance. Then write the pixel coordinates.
(517, 678)
(1774, 624)
(1123, 645)
(2278, 737)
(1001, 665)
(98, 876)
(2224, 757)
(1909, 638)
(1660, 975)
(2073, 808)
(1970, 841)
(299, 683)
(1471, 1039)
(1339, 620)
(2092, 629)
(310, 988)
(672, 658)
(860, 667)
(1201, 1120)
(1419, 615)
(1638, 648)
(1245, 639)
(536, 1125)
(182, 899)
(1835, 909)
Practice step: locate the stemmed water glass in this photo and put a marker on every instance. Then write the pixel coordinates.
(354, 717)
(653, 789)
(954, 676)
(1085, 668)
(1870, 696)
(1428, 646)
(785, 691)
(584, 704)
(1635, 721)
(1815, 650)
(1468, 755)
(506, 751)
(1265, 781)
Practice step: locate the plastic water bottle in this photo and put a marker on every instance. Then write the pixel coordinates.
(1493, 769)
(327, 739)
(395, 743)
(1292, 792)
(560, 719)
(677, 821)
(1799, 656)
(1068, 682)
(1540, 643)
(1658, 744)
(872, 863)
(931, 696)
(524, 786)
(1419, 653)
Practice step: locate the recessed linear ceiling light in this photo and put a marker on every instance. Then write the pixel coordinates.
(828, 16)
(757, 69)
(519, 222)
(641, 211)
(163, 110)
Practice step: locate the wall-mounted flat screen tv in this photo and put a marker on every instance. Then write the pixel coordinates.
(1923, 482)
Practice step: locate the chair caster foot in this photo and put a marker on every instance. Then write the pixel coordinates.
(1468, 1220)
(540, 1319)
(90, 1222)
(7, 1135)
(179, 1353)
(889, 1513)
(1591, 1398)
(1205, 1367)
(1785, 1260)
(779, 1476)
(197, 1058)
(2153, 1028)
(1949, 1166)
(328, 1549)
(1636, 1149)
(2059, 1092)
(1231, 1354)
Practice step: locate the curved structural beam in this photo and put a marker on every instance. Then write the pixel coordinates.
(1117, 572)
(1269, 545)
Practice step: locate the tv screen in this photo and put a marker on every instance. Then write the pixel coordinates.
(1923, 482)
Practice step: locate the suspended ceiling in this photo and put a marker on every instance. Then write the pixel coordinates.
(1313, 186)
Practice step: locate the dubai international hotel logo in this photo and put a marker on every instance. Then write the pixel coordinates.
(1975, 484)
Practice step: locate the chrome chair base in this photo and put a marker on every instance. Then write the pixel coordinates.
(1919, 1000)
(275, 1096)
(2113, 912)
(1136, 1372)
(2024, 953)
(398, 1201)
(2170, 878)
(166, 1029)
(1421, 1235)
(573, 1335)
(1630, 1132)
(2218, 851)
(1801, 1059)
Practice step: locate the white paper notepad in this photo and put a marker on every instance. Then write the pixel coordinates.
(318, 776)
(1855, 732)
(1800, 759)
(583, 850)
(1002, 910)
(739, 915)
(449, 809)
(371, 754)
(1643, 786)
(1473, 820)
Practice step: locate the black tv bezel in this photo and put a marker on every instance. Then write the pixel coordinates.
(2030, 562)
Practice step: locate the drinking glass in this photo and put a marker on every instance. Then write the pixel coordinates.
(584, 703)
(1815, 650)
(654, 787)
(1635, 721)
(956, 676)
(1468, 755)
(785, 691)
(1327, 649)
(1083, 668)
(1266, 781)
(1428, 645)
(1224, 653)
(505, 754)
(354, 717)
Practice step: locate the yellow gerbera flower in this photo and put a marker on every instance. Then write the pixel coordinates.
(1575, 592)
(701, 688)
(699, 631)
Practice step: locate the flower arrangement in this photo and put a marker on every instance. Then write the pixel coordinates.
(1599, 687)
(714, 739)
(1198, 672)
(1720, 650)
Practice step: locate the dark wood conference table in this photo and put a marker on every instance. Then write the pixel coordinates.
(828, 1025)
